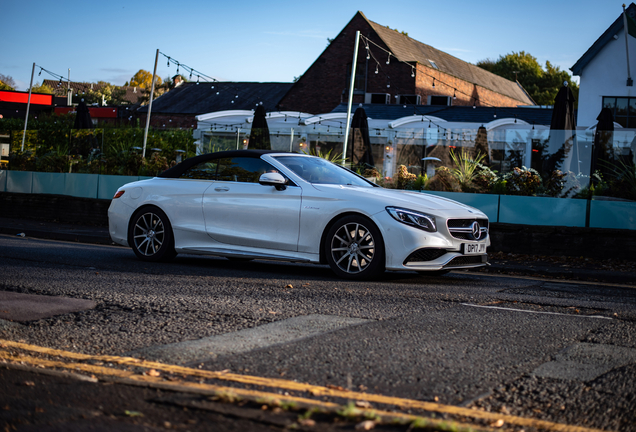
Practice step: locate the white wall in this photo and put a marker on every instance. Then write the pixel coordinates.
(606, 75)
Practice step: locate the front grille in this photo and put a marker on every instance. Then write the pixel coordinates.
(426, 254)
(462, 228)
(467, 260)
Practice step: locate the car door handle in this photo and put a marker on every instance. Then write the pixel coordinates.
(222, 189)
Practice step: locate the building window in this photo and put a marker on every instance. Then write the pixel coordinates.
(623, 109)
(440, 100)
(409, 99)
(433, 64)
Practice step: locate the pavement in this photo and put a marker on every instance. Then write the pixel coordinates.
(581, 268)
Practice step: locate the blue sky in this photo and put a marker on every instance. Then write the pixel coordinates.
(275, 41)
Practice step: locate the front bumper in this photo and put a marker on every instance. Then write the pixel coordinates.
(409, 248)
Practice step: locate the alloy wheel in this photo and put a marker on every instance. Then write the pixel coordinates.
(352, 248)
(149, 234)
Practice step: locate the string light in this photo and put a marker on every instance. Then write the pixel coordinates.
(368, 41)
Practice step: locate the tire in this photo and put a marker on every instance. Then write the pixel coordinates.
(355, 249)
(150, 235)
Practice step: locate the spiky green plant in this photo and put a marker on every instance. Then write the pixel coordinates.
(466, 167)
(331, 156)
(624, 178)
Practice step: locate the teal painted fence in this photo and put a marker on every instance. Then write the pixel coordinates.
(499, 208)
(77, 185)
(548, 211)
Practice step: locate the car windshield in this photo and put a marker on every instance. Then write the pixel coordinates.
(320, 171)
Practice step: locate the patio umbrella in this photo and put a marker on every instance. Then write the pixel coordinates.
(562, 143)
(82, 144)
(481, 145)
(602, 147)
(259, 135)
(361, 142)
(82, 117)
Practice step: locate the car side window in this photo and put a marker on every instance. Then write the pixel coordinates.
(202, 171)
(242, 169)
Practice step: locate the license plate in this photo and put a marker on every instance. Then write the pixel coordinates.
(474, 248)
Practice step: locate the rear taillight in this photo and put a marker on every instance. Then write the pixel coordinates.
(118, 194)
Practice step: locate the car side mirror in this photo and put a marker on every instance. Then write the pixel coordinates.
(273, 179)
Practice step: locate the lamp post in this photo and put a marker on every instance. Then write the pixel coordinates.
(351, 86)
(26, 119)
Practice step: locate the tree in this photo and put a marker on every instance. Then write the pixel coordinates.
(542, 84)
(41, 88)
(107, 93)
(6, 82)
(143, 80)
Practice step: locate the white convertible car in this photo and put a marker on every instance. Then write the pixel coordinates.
(251, 204)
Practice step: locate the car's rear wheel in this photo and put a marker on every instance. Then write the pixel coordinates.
(354, 248)
(150, 235)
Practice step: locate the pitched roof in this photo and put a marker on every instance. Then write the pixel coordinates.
(462, 114)
(132, 95)
(408, 49)
(194, 99)
(600, 43)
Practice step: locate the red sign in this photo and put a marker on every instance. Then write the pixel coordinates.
(23, 97)
(96, 112)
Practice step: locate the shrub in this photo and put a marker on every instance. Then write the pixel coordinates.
(484, 180)
(405, 180)
(555, 183)
(522, 181)
(444, 180)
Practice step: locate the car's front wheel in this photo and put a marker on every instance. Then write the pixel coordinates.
(150, 235)
(354, 248)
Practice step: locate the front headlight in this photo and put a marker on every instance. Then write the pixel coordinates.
(413, 218)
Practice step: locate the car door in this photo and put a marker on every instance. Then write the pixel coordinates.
(239, 211)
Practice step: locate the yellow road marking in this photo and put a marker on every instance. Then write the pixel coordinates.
(268, 382)
(128, 377)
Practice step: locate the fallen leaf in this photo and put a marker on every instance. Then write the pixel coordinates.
(334, 387)
(28, 383)
(365, 425)
(152, 373)
(289, 286)
(436, 399)
(363, 404)
(133, 413)
(307, 422)
(499, 423)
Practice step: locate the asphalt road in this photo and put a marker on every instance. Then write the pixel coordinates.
(551, 350)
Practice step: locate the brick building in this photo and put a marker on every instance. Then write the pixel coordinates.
(395, 69)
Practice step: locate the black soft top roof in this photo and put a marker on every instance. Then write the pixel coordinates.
(177, 170)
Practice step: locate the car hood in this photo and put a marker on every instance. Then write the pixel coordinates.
(401, 198)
